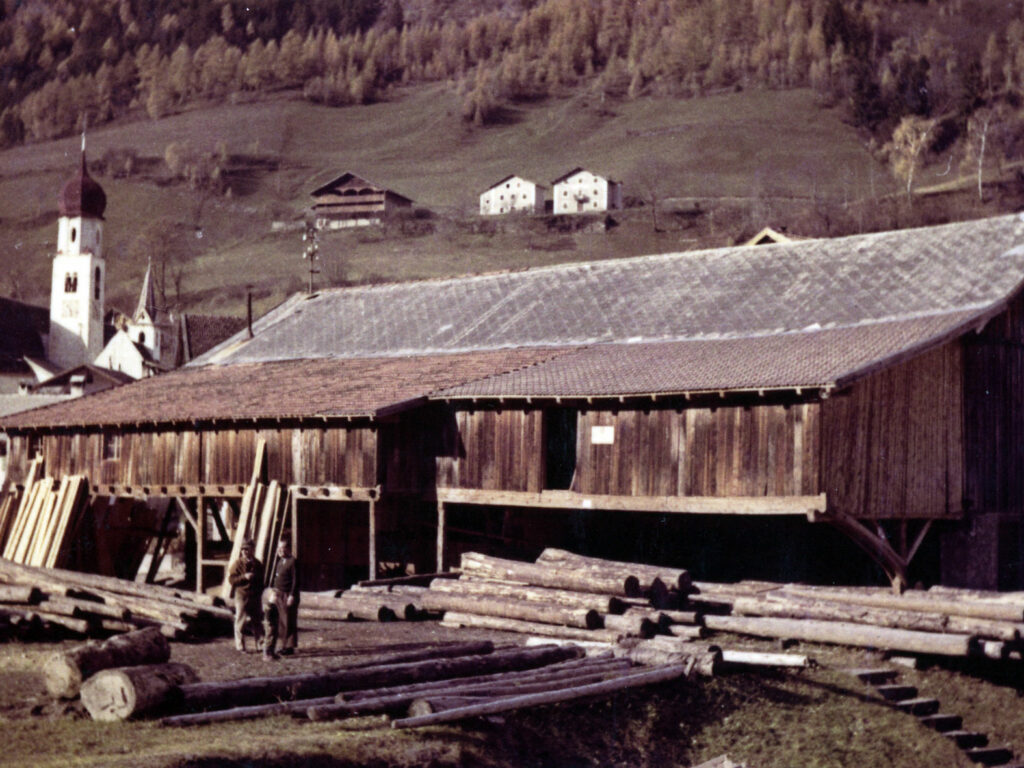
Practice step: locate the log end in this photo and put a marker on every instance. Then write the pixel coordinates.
(63, 678)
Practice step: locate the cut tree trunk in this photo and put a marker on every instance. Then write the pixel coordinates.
(545, 613)
(510, 703)
(704, 660)
(129, 692)
(674, 578)
(458, 619)
(564, 597)
(845, 633)
(554, 576)
(65, 671)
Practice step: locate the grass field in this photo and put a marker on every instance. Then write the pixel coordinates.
(756, 145)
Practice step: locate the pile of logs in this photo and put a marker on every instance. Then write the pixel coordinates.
(457, 682)
(129, 675)
(40, 600)
(37, 523)
(940, 621)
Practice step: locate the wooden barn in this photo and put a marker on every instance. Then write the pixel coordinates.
(766, 411)
(352, 201)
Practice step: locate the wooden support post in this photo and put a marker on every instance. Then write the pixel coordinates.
(440, 536)
(200, 542)
(187, 513)
(373, 539)
(295, 525)
(158, 550)
(222, 529)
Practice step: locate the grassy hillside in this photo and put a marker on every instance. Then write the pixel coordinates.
(746, 158)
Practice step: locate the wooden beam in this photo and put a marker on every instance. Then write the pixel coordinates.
(187, 490)
(440, 536)
(188, 514)
(200, 542)
(712, 505)
(373, 540)
(336, 492)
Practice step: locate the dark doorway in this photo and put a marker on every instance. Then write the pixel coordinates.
(559, 448)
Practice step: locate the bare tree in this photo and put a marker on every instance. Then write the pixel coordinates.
(909, 141)
(651, 181)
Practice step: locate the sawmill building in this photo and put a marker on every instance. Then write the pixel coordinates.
(766, 408)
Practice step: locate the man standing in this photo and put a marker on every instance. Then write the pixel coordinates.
(286, 584)
(246, 577)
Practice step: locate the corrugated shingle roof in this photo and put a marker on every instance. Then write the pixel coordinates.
(288, 389)
(809, 360)
(726, 293)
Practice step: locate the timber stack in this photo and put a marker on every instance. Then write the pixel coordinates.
(452, 682)
(940, 621)
(38, 520)
(36, 601)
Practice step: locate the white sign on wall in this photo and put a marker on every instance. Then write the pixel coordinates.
(602, 435)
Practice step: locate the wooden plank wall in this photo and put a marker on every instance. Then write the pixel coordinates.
(496, 450)
(762, 450)
(893, 445)
(994, 414)
(330, 455)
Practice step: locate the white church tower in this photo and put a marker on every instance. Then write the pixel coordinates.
(76, 296)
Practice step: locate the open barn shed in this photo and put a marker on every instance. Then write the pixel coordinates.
(784, 404)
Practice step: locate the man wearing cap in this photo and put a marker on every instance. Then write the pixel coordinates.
(246, 578)
(282, 600)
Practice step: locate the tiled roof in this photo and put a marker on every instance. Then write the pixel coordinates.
(725, 293)
(292, 389)
(203, 332)
(810, 360)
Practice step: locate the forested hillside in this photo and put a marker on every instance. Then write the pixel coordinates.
(913, 71)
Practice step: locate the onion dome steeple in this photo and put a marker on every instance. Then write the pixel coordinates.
(82, 195)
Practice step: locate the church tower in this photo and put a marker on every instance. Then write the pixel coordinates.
(76, 295)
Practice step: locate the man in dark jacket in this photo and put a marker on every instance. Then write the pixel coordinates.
(283, 594)
(246, 578)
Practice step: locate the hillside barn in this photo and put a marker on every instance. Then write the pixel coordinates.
(758, 412)
(352, 201)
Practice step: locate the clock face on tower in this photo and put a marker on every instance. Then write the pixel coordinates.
(69, 308)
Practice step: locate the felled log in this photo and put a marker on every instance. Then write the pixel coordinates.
(920, 601)
(463, 688)
(129, 692)
(429, 651)
(546, 613)
(418, 579)
(262, 690)
(845, 633)
(784, 606)
(687, 631)
(637, 625)
(554, 576)
(557, 671)
(15, 594)
(565, 597)
(674, 578)
(459, 619)
(65, 671)
(763, 659)
(703, 659)
(510, 703)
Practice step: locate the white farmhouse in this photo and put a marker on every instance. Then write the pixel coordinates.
(512, 193)
(580, 191)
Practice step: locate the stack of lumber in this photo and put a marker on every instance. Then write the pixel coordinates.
(38, 524)
(564, 596)
(941, 621)
(89, 604)
(456, 683)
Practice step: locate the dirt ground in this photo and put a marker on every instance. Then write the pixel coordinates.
(771, 719)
